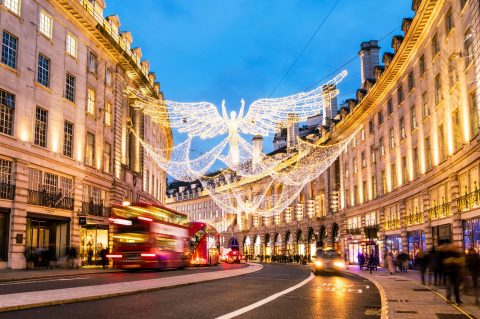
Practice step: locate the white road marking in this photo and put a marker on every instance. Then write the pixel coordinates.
(8, 283)
(266, 300)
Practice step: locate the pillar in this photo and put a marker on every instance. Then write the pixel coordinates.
(18, 217)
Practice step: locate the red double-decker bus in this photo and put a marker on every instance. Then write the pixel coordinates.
(147, 236)
(204, 244)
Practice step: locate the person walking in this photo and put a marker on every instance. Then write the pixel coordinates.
(473, 264)
(390, 263)
(422, 261)
(453, 263)
(89, 254)
(103, 256)
(433, 266)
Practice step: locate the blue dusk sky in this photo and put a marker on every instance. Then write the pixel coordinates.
(231, 49)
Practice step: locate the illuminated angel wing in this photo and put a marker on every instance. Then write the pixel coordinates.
(196, 119)
(267, 116)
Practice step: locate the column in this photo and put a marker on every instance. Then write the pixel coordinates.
(18, 220)
(457, 227)
(427, 227)
(403, 224)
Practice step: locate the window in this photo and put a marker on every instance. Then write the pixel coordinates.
(457, 134)
(91, 101)
(68, 139)
(90, 149)
(364, 191)
(382, 146)
(13, 6)
(441, 143)
(70, 82)
(428, 153)
(384, 182)
(7, 112)
(66, 186)
(35, 179)
(435, 46)
(393, 170)
(354, 142)
(468, 47)
(425, 110)
(364, 160)
(380, 117)
(392, 138)
(46, 24)
(403, 133)
(108, 114)
(43, 76)
(413, 117)
(373, 154)
(356, 198)
(41, 120)
(107, 155)
(438, 89)
(92, 62)
(411, 81)
(390, 107)
(5, 172)
(474, 127)
(371, 126)
(415, 162)
(449, 25)
(50, 182)
(400, 94)
(404, 169)
(362, 134)
(71, 45)
(421, 65)
(374, 187)
(347, 172)
(355, 167)
(9, 50)
(108, 77)
(452, 71)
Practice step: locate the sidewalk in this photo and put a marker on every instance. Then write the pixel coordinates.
(17, 275)
(403, 296)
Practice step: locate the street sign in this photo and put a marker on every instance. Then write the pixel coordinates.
(82, 220)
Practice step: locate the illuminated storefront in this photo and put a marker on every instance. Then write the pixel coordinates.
(471, 234)
(415, 241)
(93, 238)
(393, 244)
(442, 234)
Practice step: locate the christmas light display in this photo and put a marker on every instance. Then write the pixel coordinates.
(265, 185)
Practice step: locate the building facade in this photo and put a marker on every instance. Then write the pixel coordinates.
(67, 149)
(409, 179)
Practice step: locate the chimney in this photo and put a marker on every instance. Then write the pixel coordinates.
(368, 58)
(257, 142)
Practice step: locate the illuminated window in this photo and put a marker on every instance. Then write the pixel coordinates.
(108, 77)
(374, 187)
(68, 139)
(107, 155)
(71, 45)
(41, 122)
(384, 182)
(474, 112)
(46, 24)
(92, 62)
(373, 154)
(9, 50)
(382, 146)
(425, 109)
(413, 117)
(91, 101)
(416, 164)
(457, 134)
(364, 160)
(392, 138)
(70, 83)
(404, 169)
(403, 133)
(362, 134)
(90, 149)
(108, 114)
(452, 71)
(428, 153)
(438, 89)
(441, 143)
(7, 112)
(13, 6)
(355, 167)
(394, 175)
(468, 47)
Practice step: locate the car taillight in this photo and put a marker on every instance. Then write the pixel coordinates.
(114, 256)
(147, 255)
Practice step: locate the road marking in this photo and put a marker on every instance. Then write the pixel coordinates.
(8, 283)
(266, 300)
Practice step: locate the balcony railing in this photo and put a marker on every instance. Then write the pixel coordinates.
(469, 201)
(46, 199)
(414, 219)
(439, 211)
(7, 191)
(354, 231)
(392, 224)
(95, 209)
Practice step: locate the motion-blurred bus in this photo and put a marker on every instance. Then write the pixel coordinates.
(147, 236)
(204, 244)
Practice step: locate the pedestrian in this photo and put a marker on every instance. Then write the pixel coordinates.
(89, 254)
(433, 266)
(103, 255)
(390, 263)
(473, 265)
(402, 262)
(422, 262)
(453, 263)
(361, 260)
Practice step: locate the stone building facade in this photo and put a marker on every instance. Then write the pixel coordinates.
(67, 153)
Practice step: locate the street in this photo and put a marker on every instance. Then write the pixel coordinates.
(325, 296)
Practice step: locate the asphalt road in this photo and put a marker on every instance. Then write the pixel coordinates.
(327, 296)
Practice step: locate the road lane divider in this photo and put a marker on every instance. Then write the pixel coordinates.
(33, 299)
(266, 300)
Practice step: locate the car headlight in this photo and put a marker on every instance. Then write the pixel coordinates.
(318, 263)
(339, 264)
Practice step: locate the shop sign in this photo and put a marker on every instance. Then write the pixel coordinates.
(82, 220)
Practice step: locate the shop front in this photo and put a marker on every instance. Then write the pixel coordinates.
(268, 246)
(441, 234)
(393, 244)
(415, 241)
(246, 248)
(256, 246)
(47, 239)
(277, 245)
(471, 234)
(312, 243)
(93, 238)
(289, 247)
(4, 222)
(300, 244)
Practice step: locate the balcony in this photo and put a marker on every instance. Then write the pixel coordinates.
(7, 191)
(46, 199)
(414, 219)
(392, 224)
(469, 201)
(95, 209)
(439, 211)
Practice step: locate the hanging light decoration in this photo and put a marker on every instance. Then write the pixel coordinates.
(265, 186)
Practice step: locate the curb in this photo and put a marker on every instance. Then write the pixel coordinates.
(80, 273)
(383, 294)
(118, 294)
